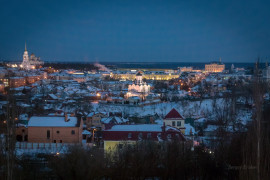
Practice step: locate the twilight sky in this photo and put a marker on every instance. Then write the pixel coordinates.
(136, 30)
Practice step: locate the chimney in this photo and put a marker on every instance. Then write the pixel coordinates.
(66, 117)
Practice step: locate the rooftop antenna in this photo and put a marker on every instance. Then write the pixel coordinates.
(220, 60)
(25, 47)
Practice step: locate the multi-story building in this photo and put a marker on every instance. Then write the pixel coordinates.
(17, 82)
(32, 78)
(55, 129)
(215, 67)
(146, 75)
(186, 69)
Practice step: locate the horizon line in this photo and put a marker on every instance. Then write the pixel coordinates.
(126, 62)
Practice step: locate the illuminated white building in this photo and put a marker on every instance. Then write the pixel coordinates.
(30, 63)
(215, 67)
(138, 88)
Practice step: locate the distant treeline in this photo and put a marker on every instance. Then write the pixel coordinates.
(72, 65)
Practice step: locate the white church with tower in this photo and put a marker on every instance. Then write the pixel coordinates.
(138, 88)
(31, 63)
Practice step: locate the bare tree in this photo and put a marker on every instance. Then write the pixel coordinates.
(78, 163)
(258, 101)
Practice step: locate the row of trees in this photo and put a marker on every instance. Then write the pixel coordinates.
(145, 160)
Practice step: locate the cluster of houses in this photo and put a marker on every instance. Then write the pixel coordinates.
(98, 127)
(59, 106)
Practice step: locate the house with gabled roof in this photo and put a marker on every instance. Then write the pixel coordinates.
(55, 129)
(118, 135)
(174, 119)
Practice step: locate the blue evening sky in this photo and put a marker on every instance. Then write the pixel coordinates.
(136, 30)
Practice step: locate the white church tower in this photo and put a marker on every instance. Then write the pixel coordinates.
(26, 64)
(139, 78)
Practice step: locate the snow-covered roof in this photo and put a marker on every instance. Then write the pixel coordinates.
(85, 132)
(90, 114)
(141, 127)
(159, 121)
(117, 119)
(19, 94)
(134, 97)
(93, 113)
(52, 121)
(117, 98)
(23, 117)
(138, 127)
(173, 114)
(53, 96)
(211, 128)
(201, 120)
(56, 114)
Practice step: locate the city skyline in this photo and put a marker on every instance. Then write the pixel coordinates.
(136, 31)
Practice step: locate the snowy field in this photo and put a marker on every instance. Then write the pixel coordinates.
(185, 108)
(206, 108)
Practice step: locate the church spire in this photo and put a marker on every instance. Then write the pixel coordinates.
(25, 49)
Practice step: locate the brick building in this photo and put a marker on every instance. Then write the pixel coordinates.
(55, 129)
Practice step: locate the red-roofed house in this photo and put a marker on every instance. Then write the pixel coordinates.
(174, 119)
(119, 135)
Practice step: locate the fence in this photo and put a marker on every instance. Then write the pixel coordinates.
(47, 146)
